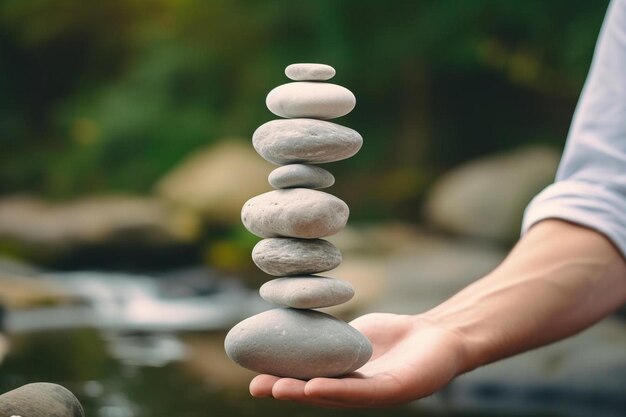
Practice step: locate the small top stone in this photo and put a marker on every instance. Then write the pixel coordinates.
(310, 72)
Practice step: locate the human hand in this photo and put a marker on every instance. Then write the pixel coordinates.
(559, 279)
(412, 358)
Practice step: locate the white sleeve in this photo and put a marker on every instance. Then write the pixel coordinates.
(590, 187)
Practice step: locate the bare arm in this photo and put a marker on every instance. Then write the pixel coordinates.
(558, 280)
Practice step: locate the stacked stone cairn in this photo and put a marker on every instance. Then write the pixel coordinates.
(296, 340)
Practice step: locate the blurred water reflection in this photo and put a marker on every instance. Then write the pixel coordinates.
(122, 361)
(107, 387)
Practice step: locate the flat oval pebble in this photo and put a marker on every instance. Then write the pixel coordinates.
(306, 141)
(286, 256)
(310, 99)
(295, 212)
(40, 399)
(301, 344)
(300, 175)
(307, 291)
(310, 72)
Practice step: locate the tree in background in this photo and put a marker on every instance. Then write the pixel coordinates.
(109, 96)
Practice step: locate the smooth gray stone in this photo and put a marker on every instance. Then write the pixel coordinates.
(310, 72)
(285, 256)
(310, 99)
(305, 141)
(300, 175)
(40, 399)
(307, 291)
(295, 212)
(301, 344)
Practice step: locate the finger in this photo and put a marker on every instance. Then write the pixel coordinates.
(353, 392)
(264, 385)
(288, 389)
(293, 390)
(330, 389)
(326, 403)
(261, 385)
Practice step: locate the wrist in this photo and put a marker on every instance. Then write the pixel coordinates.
(462, 338)
(559, 279)
(454, 343)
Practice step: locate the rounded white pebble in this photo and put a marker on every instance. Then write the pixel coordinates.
(300, 175)
(286, 256)
(310, 100)
(310, 72)
(307, 141)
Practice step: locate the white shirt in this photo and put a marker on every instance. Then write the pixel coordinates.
(590, 186)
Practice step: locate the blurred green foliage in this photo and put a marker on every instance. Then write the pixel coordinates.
(107, 96)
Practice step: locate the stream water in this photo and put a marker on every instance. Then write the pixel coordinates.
(144, 345)
(80, 359)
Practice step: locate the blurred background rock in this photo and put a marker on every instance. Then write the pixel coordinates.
(125, 157)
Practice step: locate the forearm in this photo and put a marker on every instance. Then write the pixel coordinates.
(558, 280)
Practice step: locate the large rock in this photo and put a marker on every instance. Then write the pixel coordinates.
(398, 268)
(431, 269)
(216, 181)
(29, 225)
(22, 289)
(486, 198)
(297, 343)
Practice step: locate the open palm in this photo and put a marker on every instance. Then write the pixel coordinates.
(412, 358)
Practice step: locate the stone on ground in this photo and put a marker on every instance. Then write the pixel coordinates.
(486, 198)
(215, 181)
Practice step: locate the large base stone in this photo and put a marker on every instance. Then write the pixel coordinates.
(301, 344)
